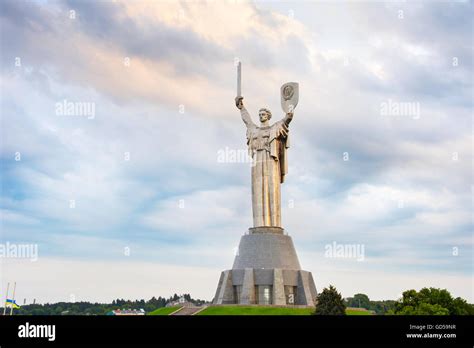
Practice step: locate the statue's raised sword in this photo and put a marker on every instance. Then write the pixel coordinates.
(239, 79)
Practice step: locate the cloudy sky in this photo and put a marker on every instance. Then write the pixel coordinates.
(130, 199)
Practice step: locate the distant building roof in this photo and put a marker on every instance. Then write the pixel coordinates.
(127, 312)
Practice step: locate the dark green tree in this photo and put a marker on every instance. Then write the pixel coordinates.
(461, 307)
(330, 302)
(431, 301)
(359, 301)
(424, 309)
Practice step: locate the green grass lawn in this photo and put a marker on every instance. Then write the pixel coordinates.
(251, 310)
(164, 310)
(356, 312)
(254, 310)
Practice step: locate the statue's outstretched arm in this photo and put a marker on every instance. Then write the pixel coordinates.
(288, 117)
(246, 117)
(244, 113)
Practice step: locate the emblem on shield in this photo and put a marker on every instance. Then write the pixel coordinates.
(289, 96)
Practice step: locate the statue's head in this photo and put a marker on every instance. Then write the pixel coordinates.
(264, 114)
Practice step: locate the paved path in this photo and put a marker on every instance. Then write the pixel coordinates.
(188, 310)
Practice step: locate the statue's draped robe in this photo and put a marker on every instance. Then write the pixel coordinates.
(267, 146)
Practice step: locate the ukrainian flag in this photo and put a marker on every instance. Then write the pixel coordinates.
(11, 303)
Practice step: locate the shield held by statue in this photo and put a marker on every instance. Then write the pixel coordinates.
(289, 96)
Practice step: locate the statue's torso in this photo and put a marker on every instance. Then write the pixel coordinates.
(260, 138)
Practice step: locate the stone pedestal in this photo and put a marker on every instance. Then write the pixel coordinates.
(266, 271)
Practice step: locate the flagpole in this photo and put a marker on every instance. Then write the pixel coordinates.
(13, 298)
(6, 298)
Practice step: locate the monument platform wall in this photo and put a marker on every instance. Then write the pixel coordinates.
(266, 250)
(266, 261)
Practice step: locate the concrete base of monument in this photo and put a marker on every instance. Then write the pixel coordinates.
(266, 271)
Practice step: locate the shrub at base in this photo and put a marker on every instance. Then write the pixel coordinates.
(330, 302)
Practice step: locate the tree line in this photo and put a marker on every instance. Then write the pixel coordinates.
(427, 301)
(88, 308)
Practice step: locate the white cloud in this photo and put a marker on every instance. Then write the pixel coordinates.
(201, 210)
(14, 217)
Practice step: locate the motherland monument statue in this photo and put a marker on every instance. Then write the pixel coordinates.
(266, 269)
